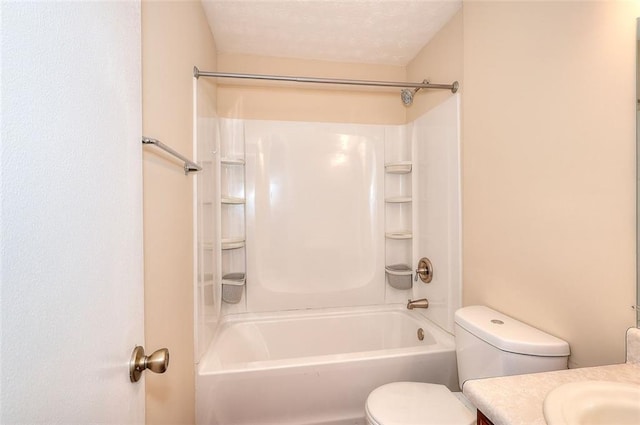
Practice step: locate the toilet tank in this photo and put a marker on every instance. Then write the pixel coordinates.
(489, 343)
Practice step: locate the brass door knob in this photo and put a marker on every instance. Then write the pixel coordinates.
(157, 362)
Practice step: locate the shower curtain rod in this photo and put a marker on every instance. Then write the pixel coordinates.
(423, 85)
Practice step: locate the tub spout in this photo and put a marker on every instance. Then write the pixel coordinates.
(421, 303)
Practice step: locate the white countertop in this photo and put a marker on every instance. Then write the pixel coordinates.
(513, 400)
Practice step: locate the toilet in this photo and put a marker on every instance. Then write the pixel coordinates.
(488, 344)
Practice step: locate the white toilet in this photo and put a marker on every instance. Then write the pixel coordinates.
(488, 343)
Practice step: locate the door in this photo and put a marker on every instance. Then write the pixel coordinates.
(71, 219)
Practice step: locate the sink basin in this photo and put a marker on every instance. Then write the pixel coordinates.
(593, 403)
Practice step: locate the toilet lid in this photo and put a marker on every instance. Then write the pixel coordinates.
(416, 403)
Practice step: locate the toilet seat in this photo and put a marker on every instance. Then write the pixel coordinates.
(416, 403)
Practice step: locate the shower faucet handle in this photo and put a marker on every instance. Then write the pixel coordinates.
(424, 270)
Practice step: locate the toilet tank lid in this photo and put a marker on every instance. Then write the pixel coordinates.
(509, 334)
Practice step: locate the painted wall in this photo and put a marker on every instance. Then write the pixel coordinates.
(549, 168)
(175, 37)
(439, 61)
(302, 102)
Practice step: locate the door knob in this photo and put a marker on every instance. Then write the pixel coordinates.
(157, 362)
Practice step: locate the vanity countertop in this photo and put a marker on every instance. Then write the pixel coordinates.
(515, 400)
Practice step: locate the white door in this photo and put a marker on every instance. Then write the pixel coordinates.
(71, 219)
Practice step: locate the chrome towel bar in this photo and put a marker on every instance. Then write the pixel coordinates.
(189, 166)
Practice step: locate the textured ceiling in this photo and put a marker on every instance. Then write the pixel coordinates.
(388, 32)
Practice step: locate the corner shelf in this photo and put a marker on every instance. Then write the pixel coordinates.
(398, 167)
(232, 161)
(232, 200)
(399, 235)
(232, 243)
(398, 200)
(398, 179)
(232, 222)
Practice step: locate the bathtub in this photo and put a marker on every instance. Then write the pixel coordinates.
(316, 367)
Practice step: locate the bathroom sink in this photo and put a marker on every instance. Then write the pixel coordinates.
(593, 403)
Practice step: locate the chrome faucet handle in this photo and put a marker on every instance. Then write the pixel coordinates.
(424, 270)
(420, 271)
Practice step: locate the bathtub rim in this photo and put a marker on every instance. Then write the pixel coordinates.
(444, 339)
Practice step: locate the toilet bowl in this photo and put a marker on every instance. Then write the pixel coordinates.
(488, 344)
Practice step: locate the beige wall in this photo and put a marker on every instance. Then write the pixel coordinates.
(302, 102)
(440, 61)
(175, 37)
(549, 168)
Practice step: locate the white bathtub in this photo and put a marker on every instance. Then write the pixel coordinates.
(315, 367)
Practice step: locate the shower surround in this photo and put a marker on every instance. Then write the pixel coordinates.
(312, 213)
(315, 215)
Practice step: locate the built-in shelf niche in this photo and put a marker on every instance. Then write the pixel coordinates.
(232, 212)
(398, 197)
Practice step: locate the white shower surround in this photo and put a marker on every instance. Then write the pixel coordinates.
(314, 215)
(437, 209)
(431, 142)
(315, 212)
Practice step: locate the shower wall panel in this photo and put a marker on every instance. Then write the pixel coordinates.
(315, 215)
(437, 216)
(207, 289)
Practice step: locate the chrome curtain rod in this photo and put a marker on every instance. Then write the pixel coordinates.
(423, 85)
(189, 166)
